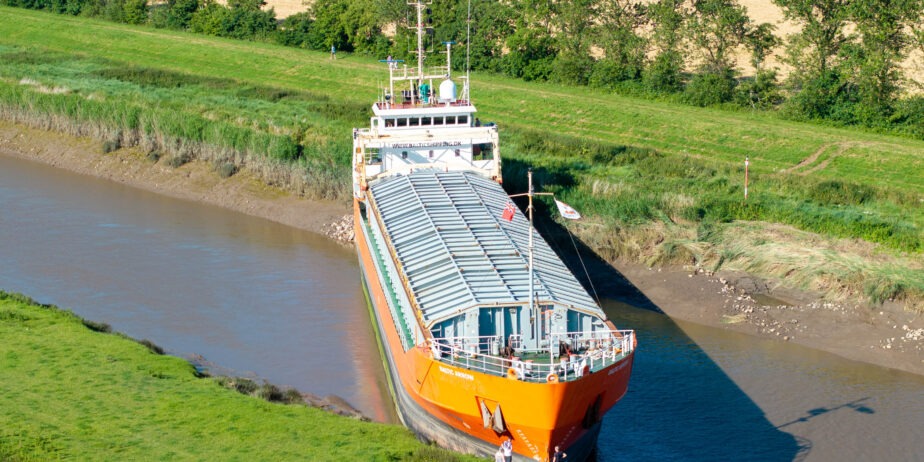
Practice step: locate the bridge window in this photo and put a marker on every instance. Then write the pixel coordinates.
(463, 120)
(426, 121)
(438, 120)
(430, 155)
(450, 120)
(402, 122)
(414, 121)
(404, 154)
(373, 157)
(389, 122)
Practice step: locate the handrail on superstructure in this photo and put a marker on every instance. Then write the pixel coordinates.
(585, 353)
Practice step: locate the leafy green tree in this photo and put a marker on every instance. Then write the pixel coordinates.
(362, 25)
(136, 11)
(665, 72)
(175, 14)
(491, 25)
(815, 48)
(917, 33)
(114, 10)
(531, 47)
(295, 31)
(616, 33)
(531, 54)
(210, 19)
(814, 53)
(716, 28)
(710, 87)
(761, 42)
(248, 20)
(760, 92)
(884, 27)
(329, 28)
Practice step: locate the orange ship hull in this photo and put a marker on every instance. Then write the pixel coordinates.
(443, 403)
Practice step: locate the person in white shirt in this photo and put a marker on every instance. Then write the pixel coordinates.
(507, 448)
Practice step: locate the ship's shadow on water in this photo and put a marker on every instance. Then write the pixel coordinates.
(681, 406)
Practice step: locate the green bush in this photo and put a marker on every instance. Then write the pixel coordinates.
(828, 95)
(296, 31)
(908, 117)
(665, 73)
(111, 145)
(531, 55)
(178, 160)
(572, 69)
(608, 73)
(135, 12)
(227, 170)
(174, 14)
(835, 192)
(760, 92)
(710, 88)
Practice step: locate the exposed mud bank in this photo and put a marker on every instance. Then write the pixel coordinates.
(884, 335)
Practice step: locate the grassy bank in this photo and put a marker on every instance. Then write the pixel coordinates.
(70, 392)
(660, 183)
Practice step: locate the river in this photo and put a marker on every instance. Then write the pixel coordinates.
(266, 300)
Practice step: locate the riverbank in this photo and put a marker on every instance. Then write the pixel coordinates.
(72, 390)
(887, 336)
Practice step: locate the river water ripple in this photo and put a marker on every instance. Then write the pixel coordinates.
(271, 301)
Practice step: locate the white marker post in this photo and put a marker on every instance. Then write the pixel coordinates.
(746, 177)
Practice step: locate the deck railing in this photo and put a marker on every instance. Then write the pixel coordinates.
(568, 356)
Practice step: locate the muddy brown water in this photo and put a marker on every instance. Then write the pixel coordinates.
(261, 299)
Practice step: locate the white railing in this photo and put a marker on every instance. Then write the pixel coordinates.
(567, 356)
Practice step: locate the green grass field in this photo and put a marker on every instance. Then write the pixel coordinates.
(71, 393)
(663, 181)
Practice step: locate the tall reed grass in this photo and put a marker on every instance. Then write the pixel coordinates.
(657, 209)
(653, 175)
(183, 117)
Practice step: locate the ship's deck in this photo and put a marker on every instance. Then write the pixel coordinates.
(592, 352)
(433, 103)
(457, 252)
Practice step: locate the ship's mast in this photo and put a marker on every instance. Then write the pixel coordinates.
(534, 311)
(420, 35)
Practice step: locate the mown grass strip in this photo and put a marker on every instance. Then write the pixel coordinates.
(629, 164)
(75, 393)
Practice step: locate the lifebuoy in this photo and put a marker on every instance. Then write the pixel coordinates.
(511, 373)
(552, 378)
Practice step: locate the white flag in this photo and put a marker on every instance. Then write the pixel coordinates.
(566, 211)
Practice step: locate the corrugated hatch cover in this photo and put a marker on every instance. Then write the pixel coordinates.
(457, 251)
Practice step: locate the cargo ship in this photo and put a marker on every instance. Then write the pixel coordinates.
(487, 336)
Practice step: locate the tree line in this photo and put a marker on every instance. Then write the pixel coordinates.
(846, 59)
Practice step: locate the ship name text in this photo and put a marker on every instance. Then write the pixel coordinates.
(459, 374)
(431, 144)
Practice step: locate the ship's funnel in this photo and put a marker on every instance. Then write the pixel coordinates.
(447, 91)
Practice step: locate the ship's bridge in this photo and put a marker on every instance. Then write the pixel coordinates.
(403, 140)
